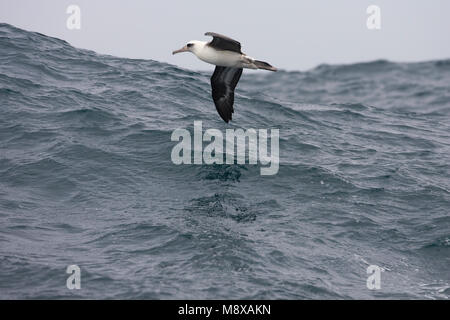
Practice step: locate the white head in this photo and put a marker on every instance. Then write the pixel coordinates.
(193, 46)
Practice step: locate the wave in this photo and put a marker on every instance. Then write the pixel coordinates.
(87, 178)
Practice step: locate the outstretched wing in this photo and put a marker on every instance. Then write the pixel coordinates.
(223, 82)
(221, 42)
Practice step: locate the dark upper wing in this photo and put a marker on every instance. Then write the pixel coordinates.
(223, 82)
(223, 43)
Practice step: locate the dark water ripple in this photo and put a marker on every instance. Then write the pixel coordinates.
(86, 179)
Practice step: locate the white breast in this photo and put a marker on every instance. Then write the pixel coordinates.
(219, 57)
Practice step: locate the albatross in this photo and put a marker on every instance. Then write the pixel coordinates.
(225, 53)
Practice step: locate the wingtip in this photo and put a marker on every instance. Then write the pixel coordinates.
(226, 119)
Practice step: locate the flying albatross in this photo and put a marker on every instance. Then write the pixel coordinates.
(225, 53)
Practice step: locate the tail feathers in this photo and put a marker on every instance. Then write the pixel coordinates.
(264, 65)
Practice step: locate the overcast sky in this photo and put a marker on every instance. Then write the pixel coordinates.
(293, 35)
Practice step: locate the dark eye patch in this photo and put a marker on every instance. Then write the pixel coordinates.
(190, 45)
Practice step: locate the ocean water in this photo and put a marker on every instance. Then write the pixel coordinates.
(86, 178)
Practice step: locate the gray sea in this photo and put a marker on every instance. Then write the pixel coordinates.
(86, 179)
